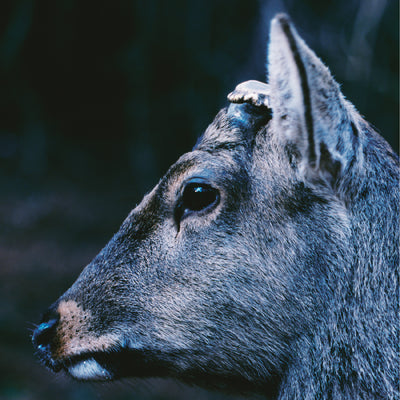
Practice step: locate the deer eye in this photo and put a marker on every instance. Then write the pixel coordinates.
(196, 197)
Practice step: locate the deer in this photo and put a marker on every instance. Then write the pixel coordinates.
(265, 260)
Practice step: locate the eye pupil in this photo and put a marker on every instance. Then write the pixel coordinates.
(197, 197)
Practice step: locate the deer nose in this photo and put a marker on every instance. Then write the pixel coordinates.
(43, 334)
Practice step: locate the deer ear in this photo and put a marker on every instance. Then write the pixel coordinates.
(308, 110)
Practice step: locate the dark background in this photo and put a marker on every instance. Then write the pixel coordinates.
(97, 99)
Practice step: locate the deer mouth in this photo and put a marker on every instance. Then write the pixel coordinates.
(122, 359)
(84, 367)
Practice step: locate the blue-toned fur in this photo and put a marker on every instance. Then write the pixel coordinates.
(282, 279)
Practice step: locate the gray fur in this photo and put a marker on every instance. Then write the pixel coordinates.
(288, 285)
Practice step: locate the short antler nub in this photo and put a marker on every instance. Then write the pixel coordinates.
(252, 92)
(250, 104)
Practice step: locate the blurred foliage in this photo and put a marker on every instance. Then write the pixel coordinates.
(99, 98)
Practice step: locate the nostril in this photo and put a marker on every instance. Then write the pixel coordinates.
(44, 333)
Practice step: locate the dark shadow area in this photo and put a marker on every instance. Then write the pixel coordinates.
(98, 99)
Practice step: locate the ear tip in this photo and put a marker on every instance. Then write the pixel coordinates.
(282, 27)
(281, 21)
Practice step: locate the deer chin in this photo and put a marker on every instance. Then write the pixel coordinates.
(89, 370)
